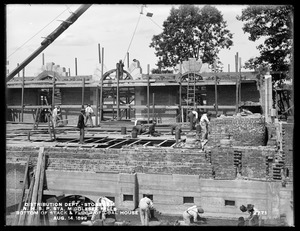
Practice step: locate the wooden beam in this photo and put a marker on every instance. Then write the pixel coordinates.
(82, 91)
(148, 91)
(23, 190)
(36, 185)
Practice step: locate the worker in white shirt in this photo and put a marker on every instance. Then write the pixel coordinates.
(204, 122)
(54, 116)
(145, 205)
(89, 112)
(192, 212)
(104, 206)
(255, 215)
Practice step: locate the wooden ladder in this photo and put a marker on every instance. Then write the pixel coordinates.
(191, 93)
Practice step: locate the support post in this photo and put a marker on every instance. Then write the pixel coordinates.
(180, 93)
(240, 81)
(53, 92)
(97, 105)
(118, 101)
(237, 85)
(101, 87)
(127, 60)
(82, 92)
(69, 72)
(148, 91)
(18, 72)
(43, 59)
(22, 99)
(99, 53)
(75, 66)
(153, 105)
(216, 90)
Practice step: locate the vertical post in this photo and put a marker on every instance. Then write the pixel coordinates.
(53, 92)
(216, 90)
(82, 92)
(240, 81)
(97, 105)
(22, 99)
(127, 60)
(153, 105)
(69, 72)
(43, 59)
(228, 67)
(237, 85)
(99, 53)
(18, 72)
(118, 76)
(148, 91)
(101, 87)
(75, 66)
(180, 93)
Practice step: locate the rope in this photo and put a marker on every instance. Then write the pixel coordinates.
(132, 37)
(37, 33)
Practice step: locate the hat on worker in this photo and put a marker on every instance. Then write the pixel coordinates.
(250, 207)
(200, 210)
(243, 208)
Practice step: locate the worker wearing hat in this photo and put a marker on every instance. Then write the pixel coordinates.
(81, 125)
(254, 214)
(192, 212)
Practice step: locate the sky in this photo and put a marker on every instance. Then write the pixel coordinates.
(114, 26)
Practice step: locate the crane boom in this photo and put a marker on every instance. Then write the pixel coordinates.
(50, 38)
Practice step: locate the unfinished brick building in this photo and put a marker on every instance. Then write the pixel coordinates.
(242, 162)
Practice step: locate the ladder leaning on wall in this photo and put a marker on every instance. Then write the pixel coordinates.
(191, 93)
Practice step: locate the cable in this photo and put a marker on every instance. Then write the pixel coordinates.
(36, 33)
(132, 37)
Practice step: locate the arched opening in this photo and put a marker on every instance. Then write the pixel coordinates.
(74, 210)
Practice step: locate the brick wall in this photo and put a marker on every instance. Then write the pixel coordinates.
(253, 161)
(246, 131)
(128, 160)
(288, 145)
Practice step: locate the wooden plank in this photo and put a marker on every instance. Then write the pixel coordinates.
(22, 218)
(36, 184)
(40, 190)
(23, 190)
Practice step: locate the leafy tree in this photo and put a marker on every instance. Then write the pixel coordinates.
(191, 32)
(273, 22)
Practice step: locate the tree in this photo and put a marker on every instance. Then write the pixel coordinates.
(275, 24)
(191, 32)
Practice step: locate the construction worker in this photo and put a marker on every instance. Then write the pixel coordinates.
(254, 218)
(81, 125)
(104, 207)
(192, 212)
(191, 117)
(145, 205)
(59, 115)
(88, 113)
(54, 116)
(204, 122)
(152, 131)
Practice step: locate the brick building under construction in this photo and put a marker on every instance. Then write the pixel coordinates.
(244, 160)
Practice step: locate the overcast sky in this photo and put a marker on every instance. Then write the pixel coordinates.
(110, 25)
